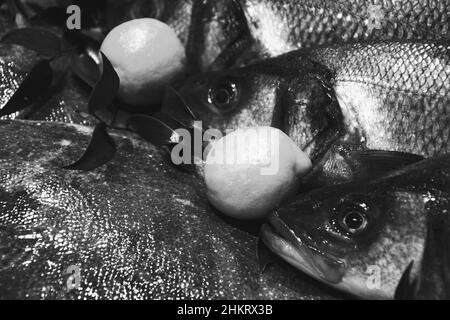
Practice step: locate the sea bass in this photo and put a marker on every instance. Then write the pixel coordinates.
(383, 95)
(282, 26)
(361, 237)
(135, 228)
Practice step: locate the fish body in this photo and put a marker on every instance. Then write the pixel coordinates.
(282, 26)
(135, 228)
(361, 237)
(396, 95)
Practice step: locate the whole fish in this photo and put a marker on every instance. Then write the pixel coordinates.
(282, 26)
(135, 228)
(361, 237)
(382, 95)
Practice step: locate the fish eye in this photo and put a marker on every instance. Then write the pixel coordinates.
(353, 219)
(223, 95)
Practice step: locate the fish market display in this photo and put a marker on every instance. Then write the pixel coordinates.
(360, 88)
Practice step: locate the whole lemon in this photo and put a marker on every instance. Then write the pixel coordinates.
(147, 55)
(250, 171)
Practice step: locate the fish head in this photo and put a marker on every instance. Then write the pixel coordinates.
(228, 100)
(263, 94)
(356, 238)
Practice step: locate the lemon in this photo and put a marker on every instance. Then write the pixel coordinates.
(250, 171)
(147, 55)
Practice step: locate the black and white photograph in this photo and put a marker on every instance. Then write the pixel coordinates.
(224, 156)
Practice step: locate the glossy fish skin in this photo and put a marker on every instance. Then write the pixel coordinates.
(341, 234)
(383, 95)
(370, 81)
(137, 227)
(282, 26)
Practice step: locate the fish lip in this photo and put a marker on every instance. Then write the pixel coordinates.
(299, 251)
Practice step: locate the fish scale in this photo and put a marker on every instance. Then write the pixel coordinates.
(281, 26)
(396, 93)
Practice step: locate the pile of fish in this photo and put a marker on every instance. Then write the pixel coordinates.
(362, 87)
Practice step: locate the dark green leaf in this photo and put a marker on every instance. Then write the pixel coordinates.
(55, 16)
(106, 88)
(32, 88)
(80, 40)
(178, 105)
(16, 9)
(45, 42)
(158, 131)
(100, 150)
(85, 67)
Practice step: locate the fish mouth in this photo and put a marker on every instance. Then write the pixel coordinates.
(301, 251)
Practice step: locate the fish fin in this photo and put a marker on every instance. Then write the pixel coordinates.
(234, 51)
(435, 267)
(406, 289)
(371, 164)
(263, 255)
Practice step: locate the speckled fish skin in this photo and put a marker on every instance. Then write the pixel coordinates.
(406, 214)
(282, 26)
(136, 227)
(381, 95)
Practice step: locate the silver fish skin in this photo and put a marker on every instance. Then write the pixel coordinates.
(135, 228)
(282, 26)
(395, 95)
(361, 237)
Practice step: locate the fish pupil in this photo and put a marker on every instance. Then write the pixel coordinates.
(222, 95)
(354, 220)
